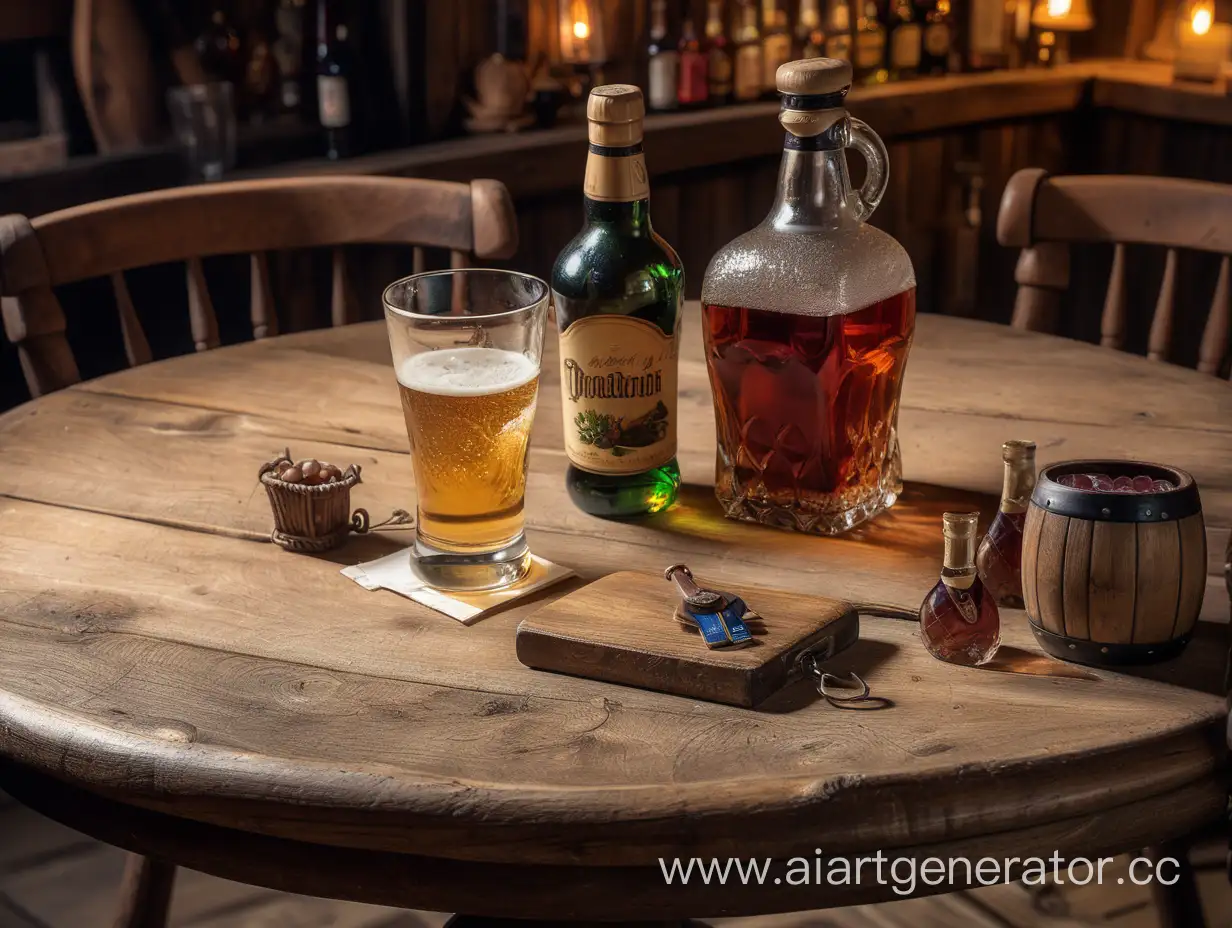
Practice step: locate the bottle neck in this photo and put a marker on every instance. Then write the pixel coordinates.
(958, 567)
(814, 192)
(1018, 485)
(616, 187)
(658, 19)
(630, 218)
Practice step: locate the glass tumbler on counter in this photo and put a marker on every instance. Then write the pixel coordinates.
(467, 347)
(203, 120)
(808, 320)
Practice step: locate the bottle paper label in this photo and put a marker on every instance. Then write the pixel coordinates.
(618, 392)
(620, 179)
(905, 50)
(937, 39)
(988, 27)
(870, 49)
(748, 72)
(720, 72)
(777, 51)
(693, 85)
(335, 101)
(664, 74)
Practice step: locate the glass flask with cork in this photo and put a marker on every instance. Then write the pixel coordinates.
(807, 320)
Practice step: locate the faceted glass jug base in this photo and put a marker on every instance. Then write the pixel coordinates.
(832, 514)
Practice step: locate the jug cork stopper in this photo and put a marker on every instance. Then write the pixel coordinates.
(615, 103)
(814, 77)
(614, 113)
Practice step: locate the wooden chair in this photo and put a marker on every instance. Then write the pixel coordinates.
(106, 238)
(1044, 215)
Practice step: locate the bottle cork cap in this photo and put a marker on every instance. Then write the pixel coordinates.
(959, 525)
(1017, 450)
(615, 113)
(814, 77)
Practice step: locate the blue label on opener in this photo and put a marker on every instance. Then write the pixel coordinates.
(726, 627)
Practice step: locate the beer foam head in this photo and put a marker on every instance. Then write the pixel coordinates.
(466, 371)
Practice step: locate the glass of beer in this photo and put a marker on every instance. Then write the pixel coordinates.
(467, 345)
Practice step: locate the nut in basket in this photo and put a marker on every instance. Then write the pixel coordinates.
(311, 502)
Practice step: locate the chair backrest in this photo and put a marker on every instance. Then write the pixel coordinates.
(1044, 215)
(106, 238)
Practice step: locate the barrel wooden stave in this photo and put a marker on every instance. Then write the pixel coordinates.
(1113, 582)
(1077, 579)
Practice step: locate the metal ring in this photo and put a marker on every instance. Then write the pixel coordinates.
(832, 699)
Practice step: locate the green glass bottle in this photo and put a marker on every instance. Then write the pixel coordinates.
(618, 288)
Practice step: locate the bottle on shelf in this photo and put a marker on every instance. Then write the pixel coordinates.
(662, 62)
(990, 30)
(618, 289)
(718, 55)
(289, 53)
(694, 89)
(335, 70)
(940, 53)
(869, 46)
(905, 41)
(810, 37)
(808, 320)
(959, 619)
(748, 68)
(1000, 555)
(260, 94)
(775, 45)
(838, 30)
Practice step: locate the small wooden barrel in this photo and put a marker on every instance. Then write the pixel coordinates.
(1114, 578)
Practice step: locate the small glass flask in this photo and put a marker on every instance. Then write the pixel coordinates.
(959, 622)
(1000, 555)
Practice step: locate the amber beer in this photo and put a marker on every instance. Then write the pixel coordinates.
(468, 416)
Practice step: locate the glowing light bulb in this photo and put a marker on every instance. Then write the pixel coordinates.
(1202, 20)
(1059, 8)
(581, 30)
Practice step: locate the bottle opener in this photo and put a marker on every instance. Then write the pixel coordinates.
(718, 615)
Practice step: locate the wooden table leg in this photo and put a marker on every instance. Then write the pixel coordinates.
(145, 893)
(1179, 905)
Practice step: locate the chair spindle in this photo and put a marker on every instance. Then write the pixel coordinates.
(135, 344)
(261, 302)
(1215, 335)
(200, 310)
(341, 308)
(1112, 325)
(1161, 326)
(418, 261)
(458, 259)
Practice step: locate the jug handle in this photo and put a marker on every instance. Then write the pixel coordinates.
(868, 143)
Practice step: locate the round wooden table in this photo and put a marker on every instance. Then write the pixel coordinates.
(174, 684)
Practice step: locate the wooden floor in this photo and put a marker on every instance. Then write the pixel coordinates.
(53, 877)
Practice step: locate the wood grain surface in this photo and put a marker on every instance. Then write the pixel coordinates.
(156, 652)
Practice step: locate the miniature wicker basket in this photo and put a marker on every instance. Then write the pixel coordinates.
(309, 518)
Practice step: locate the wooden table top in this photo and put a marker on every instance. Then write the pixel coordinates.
(157, 652)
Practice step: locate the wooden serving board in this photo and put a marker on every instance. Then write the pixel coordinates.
(620, 629)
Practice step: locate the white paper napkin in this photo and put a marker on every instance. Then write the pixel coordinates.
(393, 572)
